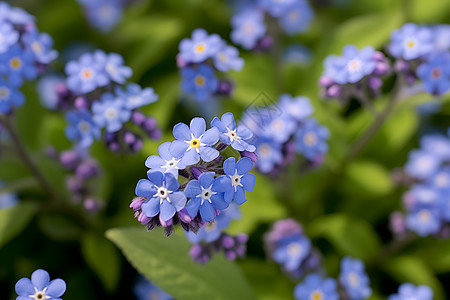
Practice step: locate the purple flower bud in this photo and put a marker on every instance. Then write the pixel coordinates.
(326, 81)
(241, 238)
(227, 242)
(69, 159)
(264, 44)
(138, 118)
(401, 66)
(251, 155)
(374, 82)
(240, 250)
(92, 205)
(197, 171)
(136, 204)
(114, 146)
(137, 145)
(184, 216)
(180, 62)
(129, 138)
(155, 134)
(333, 91)
(410, 79)
(230, 255)
(143, 219)
(165, 223)
(74, 184)
(195, 251)
(225, 88)
(379, 56)
(381, 68)
(87, 169)
(397, 223)
(149, 124)
(81, 103)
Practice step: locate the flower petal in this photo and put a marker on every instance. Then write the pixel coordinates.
(193, 189)
(219, 202)
(40, 279)
(145, 188)
(181, 132)
(211, 136)
(248, 181)
(56, 288)
(198, 126)
(167, 210)
(178, 148)
(208, 153)
(229, 166)
(151, 207)
(24, 287)
(192, 207)
(178, 200)
(154, 162)
(239, 196)
(206, 179)
(156, 177)
(191, 157)
(244, 165)
(207, 211)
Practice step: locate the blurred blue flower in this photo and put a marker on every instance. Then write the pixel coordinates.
(86, 74)
(103, 14)
(8, 36)
(269, 154)
(424, 221)
(441, 37)
(237, 137)
(40, 287)
(299, 108)
(248, 28)
(166, 162)
(228, 58)
(40, 45)
(422, 164)
(354, 279)
(110, 112)
(241, 179)
(277, 8)
(280, 128)
(14, 15)
(207, 194)
(352, 66)
(194, 142)
(10, 97)
(145, 290)
(297, 17)
(408, 291)
(411, 41)
(163, 195)
(435, 74)
(81, 128)
(46, 88)
(114, 66)
(441, 179)
(200, 47)
(311, 139)
(314, 287)
(291, 251)
(199, 82)
(17, 64)
(134, 96)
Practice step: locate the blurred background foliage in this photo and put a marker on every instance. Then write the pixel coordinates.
(344, 205)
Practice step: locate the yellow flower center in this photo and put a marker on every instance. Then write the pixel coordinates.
(353, 279)
(316, 295)
(310, 139)
(200, 47)
(15, 63)
(37, 47)
(87, 73)
(410, 44)
(200, 80)
(195, 143)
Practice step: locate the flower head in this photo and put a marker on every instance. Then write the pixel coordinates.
(82, 128)
(8, 36)
(134, 96)
(408, 291)
(41, 45)
(424, 221)
(269, 154)
(10, 97)
(228, 58)
(110, 112)
(114, 67)
(354, 279)
(435, 74)
(17, 64)
(166, 162)
(276, 8)
(422, 164)
(248, 28)
(297, 18)
(163, 195)
(411, 41)
(230, 134)
(14, 15)
(240, 178)
(291, 251)
(200, 82)
(311, 139)
(40, 287)
(103, 14)
(316, 288)
(299, 108)
(200, 47)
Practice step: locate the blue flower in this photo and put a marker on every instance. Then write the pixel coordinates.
(46, 88)
(435, 74)
(114, 66)
(199, 82)
(207, 194)
(298, 108)
(82, 128)
(145, 290)
(276, 8)
(297, 18)
(441, 37)
(134, 96)
(441, 180)
(9, 97)
(423, 196)
(166, 162)
(17, 64)
(352, 66)
(194, 142)
(14, 15)
(241, 179)
(163, 195)
(230, 135)
(311, 139)
(86, 74)
(103, 14)
(228, 58)
(40, 287)
(248, 28)
(200, 47)
(424, 221)
(313, 287)
(8, 36)
(436, 144)
(41, 45)
(110, 112)
(269, 154)
(411, 41)
(422, 164)
(408, 291)
(292, 251)
(280, 128)
(354, 279)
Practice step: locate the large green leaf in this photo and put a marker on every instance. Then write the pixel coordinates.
(435, 252)
(103, 258)
(14, 219)
(350, 236)
(368, 177)
(166, 262)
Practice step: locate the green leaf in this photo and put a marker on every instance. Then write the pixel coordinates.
(14, 219)
(369, 178)
(166, 262)
(412, 269)
(399, 129)
(261, 206)
(436, 253)
(103, 258)
(350, 236)
(59, 227)
(430, 11)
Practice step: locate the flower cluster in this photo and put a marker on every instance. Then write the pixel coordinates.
(409, 291)
(423, 52)
(212, 238)
(353, 73)
(193, 167)
(200, 58)
(426, 202)
(40, 287)
(84, 170)
(96, 97)
(284, 129)
(103, 14)
(250, 31)
(146, 290)
(24, 54)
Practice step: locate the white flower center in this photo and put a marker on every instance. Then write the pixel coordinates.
(232, 134)
(206, 194)
(134, 99)
(171, 164)
(236, 180)
(310, 139)
(84, 126)
(222, 57)
(4, 93)
(39, 295)
(163, 194)
(353, 279)
(37, 47)
(354, 65)
(111, 113)
(278, 125)
(294, 249)
(442, 180)
(248, 28)
(265, 150)
(111, 68)
(424, 215)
